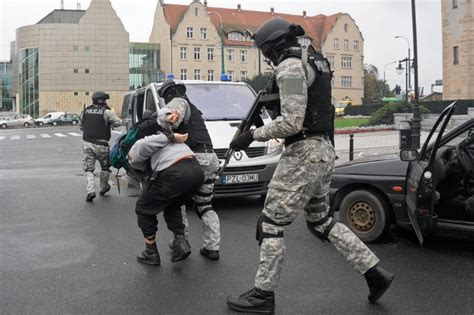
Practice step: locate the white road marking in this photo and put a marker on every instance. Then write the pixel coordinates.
(2, 137)
(60, 135)
(75, 134)
(45, 135)
(15, 137)
(30, 136)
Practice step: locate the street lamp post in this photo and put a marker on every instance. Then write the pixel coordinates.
(400, 71)
(416, 122)
(222, 40)
(409, 57)
(384, 82)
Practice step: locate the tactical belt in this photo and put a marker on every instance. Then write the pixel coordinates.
(98, 142)
(203, 148)
(305, 135)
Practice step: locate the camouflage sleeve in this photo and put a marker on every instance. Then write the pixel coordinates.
(112, 118)
(181, 106)
(291, 81)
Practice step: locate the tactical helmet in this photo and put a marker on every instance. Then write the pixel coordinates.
(99, 97)
(172, 87)
(272, 35)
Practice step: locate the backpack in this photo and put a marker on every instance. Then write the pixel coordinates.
(121, 147)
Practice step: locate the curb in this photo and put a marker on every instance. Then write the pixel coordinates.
(349, 131)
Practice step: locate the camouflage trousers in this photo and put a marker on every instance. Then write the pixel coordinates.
(301, 183)
(203, 201)
(91, 154)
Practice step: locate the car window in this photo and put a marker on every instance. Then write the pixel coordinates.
(221, 101)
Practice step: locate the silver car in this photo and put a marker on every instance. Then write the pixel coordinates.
(17, 120)
(223, 105)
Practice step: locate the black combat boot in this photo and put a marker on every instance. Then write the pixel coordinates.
(181, 248)
(90, 197)
(150, 255)
(209, 254)
(379, 281)
(253, 301)
(103, 191)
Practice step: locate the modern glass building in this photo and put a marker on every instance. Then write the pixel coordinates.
(144, 64)
(6, 94)
(28, 81)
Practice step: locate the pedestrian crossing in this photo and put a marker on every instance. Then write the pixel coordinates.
(41, 136)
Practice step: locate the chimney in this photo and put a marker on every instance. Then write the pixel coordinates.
(272, 11)
(205, 3)
(62, 4)
(78, 5)
(239, 8)
(304, 14)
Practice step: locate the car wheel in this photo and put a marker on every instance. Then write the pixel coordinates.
(26, 125)
(366, 214)
(55, 123)
(41, 124)
(74, 122)
(4, 126)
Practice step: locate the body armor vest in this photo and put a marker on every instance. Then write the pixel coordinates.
(198, 135)
(319, 116)
(95, 128)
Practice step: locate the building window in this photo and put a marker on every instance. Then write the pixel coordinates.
(243, 56)
(333, 81)
(331, 59)
(87, 93)
(86, 71)
(230, 75)
(346, 81)
(237, 36)
(210, 54)
(346, 44)
(197, 74)
(243, 75)
(189, 32)
(210, 75)
(336, 43)
(230, 55)
(76, 93)
(87, 48)
(196, 12)
(455, 4)
(184, 74)
(346, 62)
(346, 27)
(456, 55)
(183, 53)
(75, 48)
(356, 45)
(76, 70)
(197, 53)
(203, 33)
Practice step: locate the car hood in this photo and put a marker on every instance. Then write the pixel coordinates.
(387, 164)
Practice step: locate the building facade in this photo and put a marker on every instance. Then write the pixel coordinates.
(6, 82)
(144, 64)
(458, 55)
(199, 42)
(61, 60)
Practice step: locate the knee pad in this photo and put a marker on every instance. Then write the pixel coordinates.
(315, 227)
(202, 207)
(261, 234)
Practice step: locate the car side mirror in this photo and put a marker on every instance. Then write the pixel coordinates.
(409, 155)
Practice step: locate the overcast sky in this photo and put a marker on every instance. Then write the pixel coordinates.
(379, 21)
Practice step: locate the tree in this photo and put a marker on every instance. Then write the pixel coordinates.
(374, 87)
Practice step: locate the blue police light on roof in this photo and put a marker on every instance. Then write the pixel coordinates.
(170, 76)
(224, 77)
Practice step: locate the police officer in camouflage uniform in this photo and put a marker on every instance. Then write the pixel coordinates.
(187, 122)
(97, 119)
(301, 180)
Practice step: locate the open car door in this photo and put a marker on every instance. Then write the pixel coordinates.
(421, 180)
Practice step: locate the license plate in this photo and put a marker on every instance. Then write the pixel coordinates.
(244, 178)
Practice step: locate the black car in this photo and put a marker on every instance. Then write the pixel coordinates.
(66, 119)
(427, 190)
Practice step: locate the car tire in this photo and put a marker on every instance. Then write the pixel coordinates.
(4, 126)
(26, 125)
(40, 124)
(366, 214)
(74, 122)
(55, 123)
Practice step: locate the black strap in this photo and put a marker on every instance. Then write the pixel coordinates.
(304, 135)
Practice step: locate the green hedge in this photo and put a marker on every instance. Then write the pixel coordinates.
(435, 107)
(384, 115)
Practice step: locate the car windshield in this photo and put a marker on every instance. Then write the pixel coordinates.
(221, 101)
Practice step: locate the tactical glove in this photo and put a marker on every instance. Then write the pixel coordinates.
(243, 141)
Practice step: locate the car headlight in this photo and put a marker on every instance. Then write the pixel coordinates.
(274, 145)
